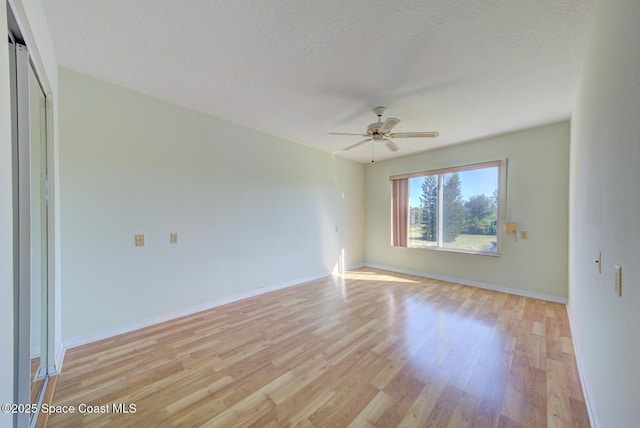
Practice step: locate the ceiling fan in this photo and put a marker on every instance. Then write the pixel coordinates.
(381, 131)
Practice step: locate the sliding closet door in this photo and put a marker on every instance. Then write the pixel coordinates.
(30, 231)
(39, 233)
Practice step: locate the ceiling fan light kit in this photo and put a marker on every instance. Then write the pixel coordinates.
(381, 131)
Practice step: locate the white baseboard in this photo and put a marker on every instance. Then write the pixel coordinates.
(500, 288)
(589, 400)
(356, 266)
(104, 334)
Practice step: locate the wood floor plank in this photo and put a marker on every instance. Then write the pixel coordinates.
(374, 410)
(405, 388)
(425, 402)
(364, 348)
(558, 397)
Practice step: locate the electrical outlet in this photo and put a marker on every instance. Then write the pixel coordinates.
(139, 240)
(617, 280)
(173, 238)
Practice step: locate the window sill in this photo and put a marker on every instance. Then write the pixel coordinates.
(457, 250)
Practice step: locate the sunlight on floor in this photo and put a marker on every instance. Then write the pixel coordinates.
(376, 276)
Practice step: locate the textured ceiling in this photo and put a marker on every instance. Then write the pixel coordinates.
(300, 69)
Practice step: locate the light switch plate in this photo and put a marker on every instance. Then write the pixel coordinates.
(173, 238)
(139, 240)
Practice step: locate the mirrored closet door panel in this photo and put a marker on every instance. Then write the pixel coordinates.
(39, 232)
(31, 231)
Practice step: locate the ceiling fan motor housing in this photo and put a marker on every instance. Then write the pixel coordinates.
(374, 128)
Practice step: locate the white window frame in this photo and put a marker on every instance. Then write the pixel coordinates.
(439, 173)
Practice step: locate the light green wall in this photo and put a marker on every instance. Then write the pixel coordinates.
(605, 207)
(251, 210)
(537, 200)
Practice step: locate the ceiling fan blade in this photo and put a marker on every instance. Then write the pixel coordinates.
(388, 125)
(414, 135)
(357, 144)
(391, 145)
(347, 133)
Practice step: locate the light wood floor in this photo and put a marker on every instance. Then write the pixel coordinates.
(367, 348)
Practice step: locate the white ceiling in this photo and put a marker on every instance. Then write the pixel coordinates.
(300, 69)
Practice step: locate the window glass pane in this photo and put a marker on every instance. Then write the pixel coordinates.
(470, 210)
(456, 210)
(423, 211)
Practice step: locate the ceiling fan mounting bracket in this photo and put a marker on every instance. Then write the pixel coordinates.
(379, 111)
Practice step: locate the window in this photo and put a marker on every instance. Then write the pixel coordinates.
(453, 209)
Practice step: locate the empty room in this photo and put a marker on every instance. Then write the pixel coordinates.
(333, 214)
